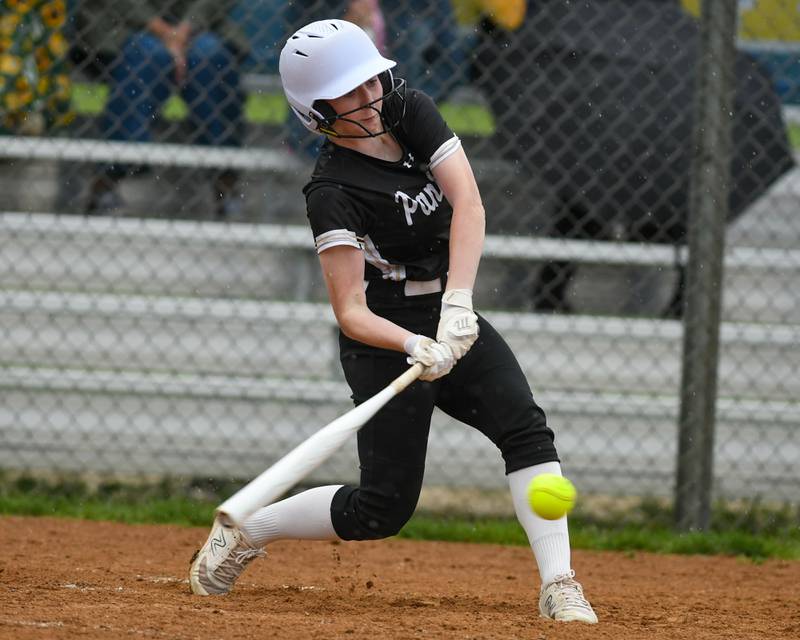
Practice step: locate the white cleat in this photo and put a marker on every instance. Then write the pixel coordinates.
(563, 600)
(223, 557)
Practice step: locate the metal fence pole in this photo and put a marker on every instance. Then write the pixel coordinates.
(708, 211)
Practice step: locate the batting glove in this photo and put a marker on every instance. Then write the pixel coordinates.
(437, 358)
(458, 325)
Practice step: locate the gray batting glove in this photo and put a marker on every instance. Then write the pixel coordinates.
(458, 325)
(436, 357)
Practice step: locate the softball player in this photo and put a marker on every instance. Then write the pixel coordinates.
(398, 225)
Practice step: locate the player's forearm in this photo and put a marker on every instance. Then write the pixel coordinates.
(359, 323)
(467, 232)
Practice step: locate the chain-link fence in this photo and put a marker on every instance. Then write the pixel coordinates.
(161, 310)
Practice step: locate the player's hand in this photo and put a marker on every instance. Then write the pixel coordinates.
(437, 358)
(458, 325)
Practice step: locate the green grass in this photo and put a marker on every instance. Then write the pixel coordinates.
(271, 109)
(162, 503)
(89, 99)
(753, 532)
(609, 536)
(794, 135)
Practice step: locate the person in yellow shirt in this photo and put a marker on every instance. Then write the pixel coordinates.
(507, 14)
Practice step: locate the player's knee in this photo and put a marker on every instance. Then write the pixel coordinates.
(211, 50)
(143, 51)
(531, 443)
(375, 513)
(377, 529)
(383, 516)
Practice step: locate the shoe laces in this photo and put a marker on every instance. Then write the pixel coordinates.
(571, 591)
(246, 555)
(234, 564)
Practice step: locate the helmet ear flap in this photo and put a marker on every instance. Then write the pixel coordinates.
(394, 104)
(327, 115)
(387, 81)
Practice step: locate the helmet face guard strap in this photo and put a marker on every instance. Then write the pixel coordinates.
(395, 98)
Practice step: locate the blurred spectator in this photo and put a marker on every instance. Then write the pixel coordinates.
(152, 50)
(34, 83)
(497, 59)
(265, 24)
(594, 101)
(424, 35)
(367, 14)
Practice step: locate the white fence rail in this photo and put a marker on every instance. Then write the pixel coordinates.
(117, 355)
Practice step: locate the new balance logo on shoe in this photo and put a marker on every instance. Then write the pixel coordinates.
(222, 559)
(218, 543)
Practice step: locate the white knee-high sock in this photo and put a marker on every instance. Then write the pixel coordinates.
(549, 539)
(306, 516)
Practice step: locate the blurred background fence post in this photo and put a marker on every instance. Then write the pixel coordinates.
(708, 210)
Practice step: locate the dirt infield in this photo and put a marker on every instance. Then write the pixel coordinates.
(75, 579)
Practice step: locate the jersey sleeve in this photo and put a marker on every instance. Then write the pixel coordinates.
(426, 131)
(334, 218)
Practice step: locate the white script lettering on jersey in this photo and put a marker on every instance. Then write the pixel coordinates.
(426, 201)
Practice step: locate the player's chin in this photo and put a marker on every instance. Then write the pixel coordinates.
(373, 124)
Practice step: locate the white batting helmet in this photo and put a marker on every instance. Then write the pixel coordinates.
(325, 60)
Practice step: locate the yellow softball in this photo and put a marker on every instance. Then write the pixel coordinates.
(551, 496)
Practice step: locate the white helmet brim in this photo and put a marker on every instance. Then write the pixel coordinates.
(357, 77)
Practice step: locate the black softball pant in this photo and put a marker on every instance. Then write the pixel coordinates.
(486, 390)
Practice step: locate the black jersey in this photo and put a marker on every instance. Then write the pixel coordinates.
(394, 211)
